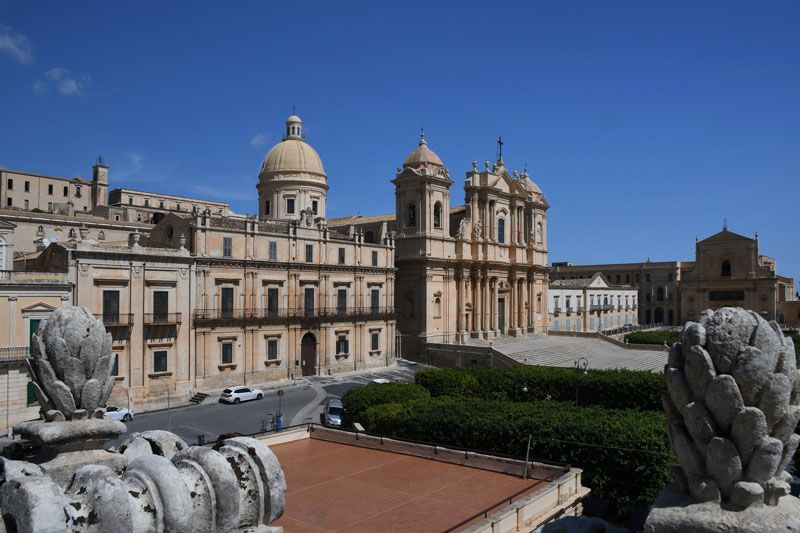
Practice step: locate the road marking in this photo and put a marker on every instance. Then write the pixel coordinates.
(305, 413)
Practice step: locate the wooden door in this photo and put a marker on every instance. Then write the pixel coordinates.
(308, 355)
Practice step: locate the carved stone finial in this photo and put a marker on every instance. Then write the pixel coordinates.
(71, 364)
(732, 405)
(182, 241)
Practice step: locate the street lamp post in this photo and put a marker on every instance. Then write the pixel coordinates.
(581, 366)
(169, 413)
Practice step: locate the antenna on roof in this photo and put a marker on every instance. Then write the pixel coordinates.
(725, 224)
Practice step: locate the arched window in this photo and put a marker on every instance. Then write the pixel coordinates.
(72, 233)
(437, 307)
(39, 231)
(726, 269)
(501, 230)
(437, 215)
(101, 236)
(412, 215)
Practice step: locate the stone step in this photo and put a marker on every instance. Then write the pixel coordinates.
(198, 398)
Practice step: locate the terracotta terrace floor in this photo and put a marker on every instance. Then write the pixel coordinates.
(336, 487)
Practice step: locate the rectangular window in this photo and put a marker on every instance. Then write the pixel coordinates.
(272, 301)
(266, 208)
(115, 365)
(66, 191)
(272, 349)
(308, 301)
(160, 361)
(342, 345)
(227, 353)
(49, 206)
(315, 206)
(376, 337)
(27, 186)
(161, 205)
(290, 206)
(227, 247)
(226, 297)
(111, 307)
(309, 253)
(341, 256)
(374, 258)
(160, 306)
(50, 189)
(273, 251)
(647, 277)
(341, 301)
(147, 202)
(178, 207)
(27, 204)
(375, 300)
(9, 202)
(10, 184)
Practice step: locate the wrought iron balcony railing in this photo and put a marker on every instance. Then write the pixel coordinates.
(211, 317)
(162, 319)
(116, 320)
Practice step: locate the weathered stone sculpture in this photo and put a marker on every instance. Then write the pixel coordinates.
(71, 365)
(156, 483)
(732, 403)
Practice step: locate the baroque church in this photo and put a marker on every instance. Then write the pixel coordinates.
(477, 270)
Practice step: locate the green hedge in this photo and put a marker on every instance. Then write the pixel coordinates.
(625, 455)
(616, 389)
(653, 337)
(358, 399)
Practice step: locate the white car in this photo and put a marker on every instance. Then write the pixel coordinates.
(119, 413)
(240, 394)
(381, 381)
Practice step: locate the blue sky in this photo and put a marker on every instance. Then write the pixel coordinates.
(645, 123)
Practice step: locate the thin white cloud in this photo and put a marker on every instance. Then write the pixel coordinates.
(259, 140)
(16, 45)
(63, 81)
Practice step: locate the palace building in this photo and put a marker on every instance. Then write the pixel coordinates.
(728, 270)
(201, 300)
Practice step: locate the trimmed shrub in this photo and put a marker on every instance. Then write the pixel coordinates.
(653, 337)
(358, 399)
(624, 454)
(447, 382)
(616, 389)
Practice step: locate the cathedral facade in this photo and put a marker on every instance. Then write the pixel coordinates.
(472, 271)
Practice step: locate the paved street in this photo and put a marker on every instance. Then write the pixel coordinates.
(301, 403)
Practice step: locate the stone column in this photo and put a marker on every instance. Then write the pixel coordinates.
(484, 304)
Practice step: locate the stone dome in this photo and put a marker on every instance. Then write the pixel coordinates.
(422, 155)
(293, 154)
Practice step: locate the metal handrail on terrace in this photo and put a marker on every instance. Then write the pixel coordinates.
(166, 319)
(120, 319)
(266, 313)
